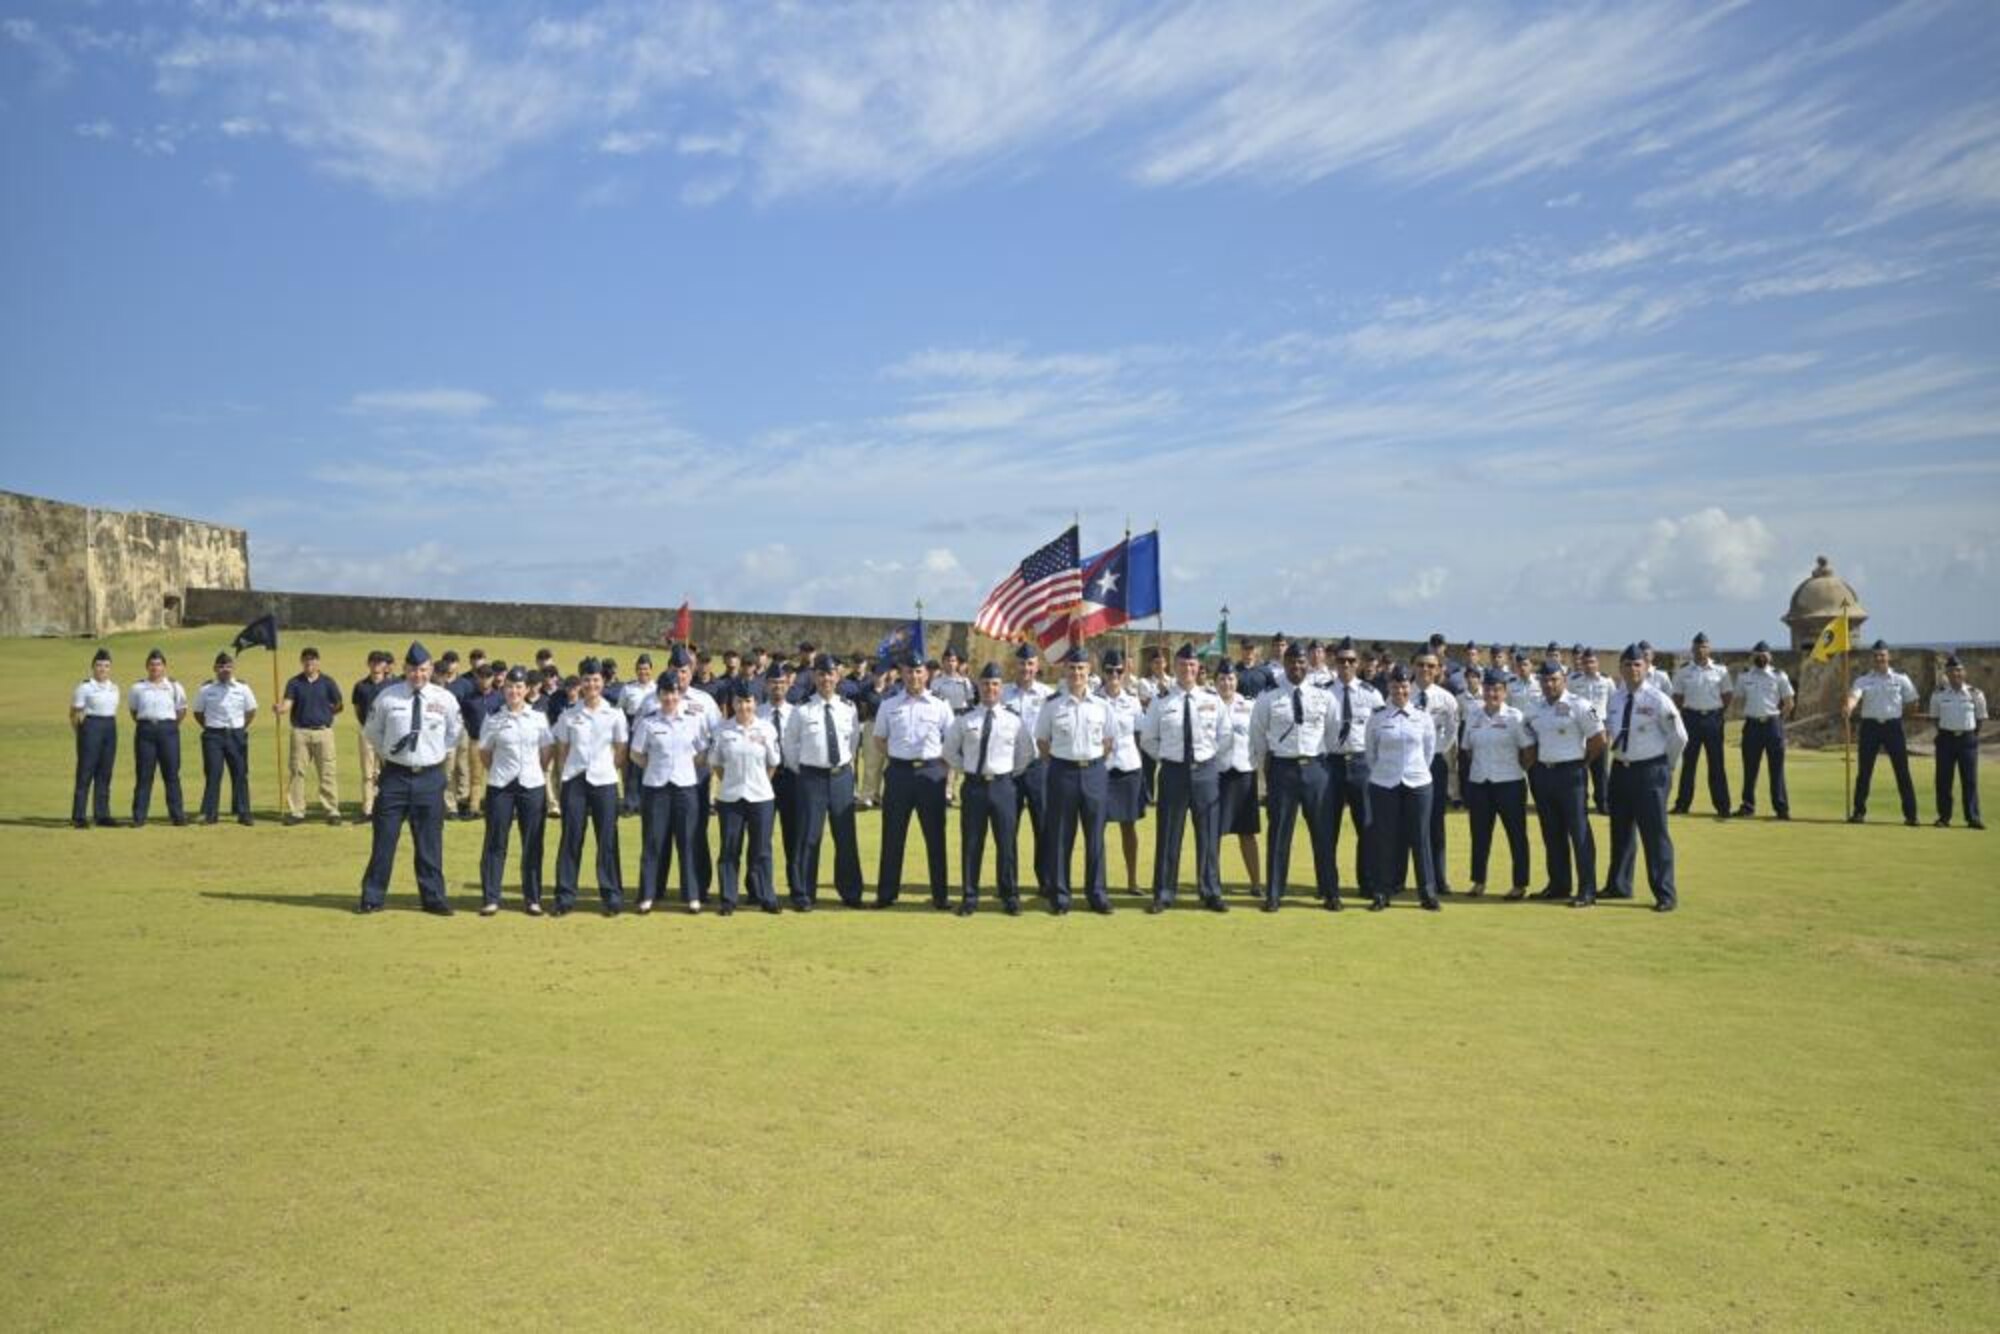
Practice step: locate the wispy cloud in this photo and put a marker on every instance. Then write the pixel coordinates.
(439, 402)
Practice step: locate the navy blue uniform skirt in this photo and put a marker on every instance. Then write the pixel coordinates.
(1239, 802)
(1125, 796)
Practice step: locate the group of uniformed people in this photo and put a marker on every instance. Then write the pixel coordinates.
(1323, 733)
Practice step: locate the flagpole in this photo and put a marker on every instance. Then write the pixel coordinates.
(1125, 627)
(1846, 723)
(922, 638)
(277, 738)
(1160, 613)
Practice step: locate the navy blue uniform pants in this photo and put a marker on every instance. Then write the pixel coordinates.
(1763, 743)
(584, 803)
(1188, 789)
(1704, 730)
(704, 859)
(1600, 781)
(506, 807)
(669, 819)
(747, 823)
(785, 786)
(1562, 807)
(826, 798)
(415, 797)
(1958, 758)
(1639, 805)
(1440, 785)
(225, 748)
(1350, 793)
(159, 749)
(1508, 803)
(1032, 785)
(1885, 738)
(96, 750)
(1402, 819)
(1299, 787)
(912, 787)
(989, 805)
(1076, 793)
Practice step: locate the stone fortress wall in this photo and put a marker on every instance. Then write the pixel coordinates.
(73, 570)
(641, 627)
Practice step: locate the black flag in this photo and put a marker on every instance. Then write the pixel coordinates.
(262, 631)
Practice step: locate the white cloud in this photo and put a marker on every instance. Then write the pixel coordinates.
(439, 402)
(1703, 554)
(629, 143)
(96, 129)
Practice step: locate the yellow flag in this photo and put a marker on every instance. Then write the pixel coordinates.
(1832, 640)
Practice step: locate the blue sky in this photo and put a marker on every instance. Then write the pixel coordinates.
(1518, 321)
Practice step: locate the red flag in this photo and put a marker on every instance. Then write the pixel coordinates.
(683, 625)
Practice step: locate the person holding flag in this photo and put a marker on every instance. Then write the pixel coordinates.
(1882, 696)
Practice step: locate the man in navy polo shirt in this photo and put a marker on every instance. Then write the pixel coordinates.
(311, 700)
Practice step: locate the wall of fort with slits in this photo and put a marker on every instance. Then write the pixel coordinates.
(635, 627)
(74, 570)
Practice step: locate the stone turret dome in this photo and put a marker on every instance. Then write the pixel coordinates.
(1817, 601)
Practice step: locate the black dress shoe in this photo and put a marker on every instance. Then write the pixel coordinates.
(1155, 908)
(1059, 909)
(1553, 895)
(1333, 904)
(879, 904)
(178, 821)
(1856, 818)
(802, 905)
(1012, 907)
(768, 907)
(246, 819)
(1216, 905)
(612, 910)
(1910, 820)
(85, 824)
(1102, 909)
(1782, 815)
(1744, 812)
(1268, 905)
(206, 819)
(941, 905)
(366, 909)
(963, 910)
(1974, 824)
(1941, 823)
(1679, 810)
(1431, 905)
(1584, 901)
(1378, 903)
(107, 824)
(1517, 893)
(559, 910)
(727, 909)
(291, 820)
(1663, 907)
(438, 909)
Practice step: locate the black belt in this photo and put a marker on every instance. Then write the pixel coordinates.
(1654, 759)
(1948, 731)
(1772, 719)
(1181, 764)
(895, 763)
(410, 769)
(1074, 764)
(1292, 759)
(158, 722)
(822, 769)
(1557, 764)
(225, 729)
(1704, 713)
(988, 778)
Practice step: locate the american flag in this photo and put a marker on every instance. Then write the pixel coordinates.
(1048, 581)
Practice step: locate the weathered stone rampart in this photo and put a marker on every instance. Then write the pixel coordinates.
(73, 570)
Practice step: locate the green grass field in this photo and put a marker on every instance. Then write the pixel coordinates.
(231, 1103)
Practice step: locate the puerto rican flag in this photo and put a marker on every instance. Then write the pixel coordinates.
(1119, 585)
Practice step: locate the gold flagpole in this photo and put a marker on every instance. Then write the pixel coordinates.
(1846, 722)
(277, 738)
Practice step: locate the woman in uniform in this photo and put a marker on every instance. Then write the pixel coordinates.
(1238, 774)
(1126, 797)
(744, 755)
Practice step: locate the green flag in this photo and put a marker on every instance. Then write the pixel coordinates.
(1218, 647)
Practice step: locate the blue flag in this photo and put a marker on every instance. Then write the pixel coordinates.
(906, 639)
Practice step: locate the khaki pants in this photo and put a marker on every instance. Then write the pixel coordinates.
(371, 775)
(464, 778)
(868, 783)
(313, 747)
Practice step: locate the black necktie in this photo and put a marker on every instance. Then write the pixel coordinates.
(1625, 724)
(1346, 714)
(1187, 725)
(832, 739)
(1424, 698)
(985, 739)
(1299, 716)
(410, 738)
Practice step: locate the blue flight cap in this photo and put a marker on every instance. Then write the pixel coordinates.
(1186, 653)
(1077, 655)
(643, 660)
(517, 676)
(1225, 668)
(156, 656)
(668, 684)
(1113, 659)
(1879, 646)
(1701, 636)
(1346, 644)
(1493, 676)
(680, 657)
(777, 671)
(1951, 660)
(1633, 652)
(991, 672)
(1398, 673)
(1576, 650)
(1295, 650)
(590, 667)
(1645, 646)
(1552, 648)
(1761, 646)
(102, 655)
(1549, 667)
(1025, 652)
(416, 655)
(823, 662)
